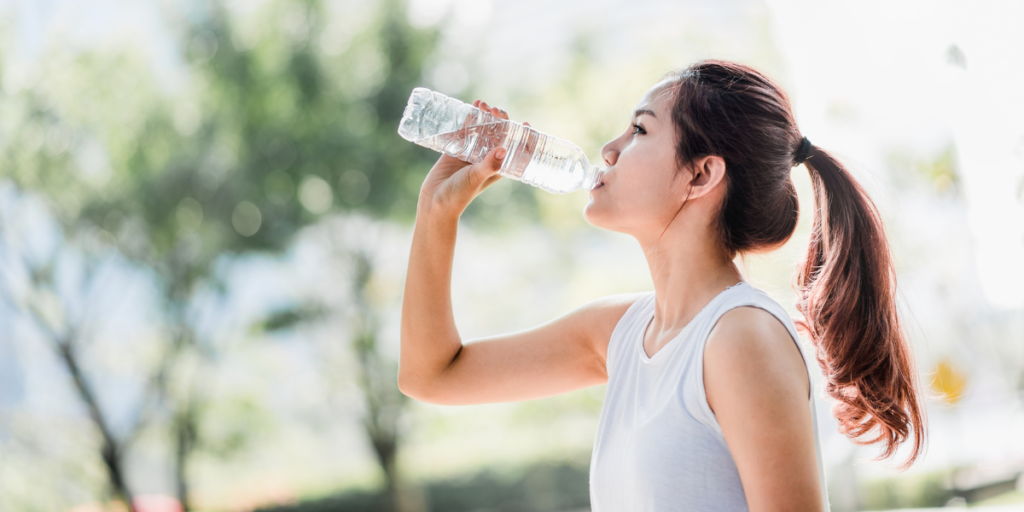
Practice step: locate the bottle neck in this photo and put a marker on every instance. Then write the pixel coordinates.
(593, 177)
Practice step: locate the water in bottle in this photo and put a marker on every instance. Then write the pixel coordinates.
(463, 131)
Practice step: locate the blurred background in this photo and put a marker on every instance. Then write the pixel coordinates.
(205, 217)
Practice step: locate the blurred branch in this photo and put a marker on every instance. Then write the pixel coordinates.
(288, 319)
(64, 344)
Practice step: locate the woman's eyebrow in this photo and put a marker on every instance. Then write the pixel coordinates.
(641, 111)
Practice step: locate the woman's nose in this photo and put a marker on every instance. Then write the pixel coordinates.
(609, 153)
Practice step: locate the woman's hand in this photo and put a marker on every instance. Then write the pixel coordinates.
(452, 183)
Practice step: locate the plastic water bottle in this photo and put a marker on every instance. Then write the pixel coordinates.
(463, 131)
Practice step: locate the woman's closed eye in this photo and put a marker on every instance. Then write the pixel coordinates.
(637, 129)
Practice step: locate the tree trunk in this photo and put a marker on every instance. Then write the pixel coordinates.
(385, 451)
(384, 408)
(111, 449)
(399, 496)
(184, 443)
(378, 380)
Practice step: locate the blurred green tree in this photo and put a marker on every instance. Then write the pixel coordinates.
(357, 308)
(280, 124)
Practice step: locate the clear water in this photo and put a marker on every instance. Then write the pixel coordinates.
(446, 125)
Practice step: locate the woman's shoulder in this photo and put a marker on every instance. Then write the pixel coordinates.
(750, 316)
(752, 339)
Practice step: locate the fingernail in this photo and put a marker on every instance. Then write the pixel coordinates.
(500, 153)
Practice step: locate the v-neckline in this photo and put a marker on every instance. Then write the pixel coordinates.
(672, 342)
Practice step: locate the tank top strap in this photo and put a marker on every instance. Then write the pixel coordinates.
(740, 295)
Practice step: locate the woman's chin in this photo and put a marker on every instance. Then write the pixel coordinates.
(593, 215)
(600, 218)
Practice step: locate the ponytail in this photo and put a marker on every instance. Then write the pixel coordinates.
(846, 287)
(846, 290)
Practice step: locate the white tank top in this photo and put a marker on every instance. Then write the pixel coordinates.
(659, 447)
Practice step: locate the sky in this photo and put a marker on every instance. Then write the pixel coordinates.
(892, 62)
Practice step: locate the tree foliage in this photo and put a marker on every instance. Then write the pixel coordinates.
(282, 117)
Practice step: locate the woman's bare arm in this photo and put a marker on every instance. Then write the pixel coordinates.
(756, 384)
(562, 355)
(435, 366)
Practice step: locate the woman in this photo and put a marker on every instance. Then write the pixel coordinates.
(709, 403)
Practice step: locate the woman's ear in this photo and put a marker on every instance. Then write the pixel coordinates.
(708, 173)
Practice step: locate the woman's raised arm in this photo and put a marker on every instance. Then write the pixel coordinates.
(435, 366)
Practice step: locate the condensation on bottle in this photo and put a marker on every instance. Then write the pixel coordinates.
(468, 133)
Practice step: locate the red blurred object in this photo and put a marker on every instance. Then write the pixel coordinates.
(156, 503)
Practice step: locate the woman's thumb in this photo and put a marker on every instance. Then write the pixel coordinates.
(496, 158)
(490, 165)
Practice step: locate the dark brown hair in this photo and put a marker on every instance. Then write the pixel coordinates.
(846, 285)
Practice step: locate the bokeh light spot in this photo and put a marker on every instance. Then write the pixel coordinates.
(246, 218)
(315, 194)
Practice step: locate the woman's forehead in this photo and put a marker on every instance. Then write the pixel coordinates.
(658, 97)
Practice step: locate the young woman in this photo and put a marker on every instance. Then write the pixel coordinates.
(709, 403)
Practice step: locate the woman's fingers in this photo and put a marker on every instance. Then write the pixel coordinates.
(494, 111)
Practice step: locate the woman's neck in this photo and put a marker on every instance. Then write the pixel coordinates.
(688, 271)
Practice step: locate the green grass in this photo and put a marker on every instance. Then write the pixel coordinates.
(921, 491)
(1010, 498)
(914, 491)
(543, 487)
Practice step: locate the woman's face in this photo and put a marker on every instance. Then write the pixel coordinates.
(642, 188)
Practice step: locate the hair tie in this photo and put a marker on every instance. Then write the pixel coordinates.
(802, 151)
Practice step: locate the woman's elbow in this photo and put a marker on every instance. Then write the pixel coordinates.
(414, 387)
(407, 385)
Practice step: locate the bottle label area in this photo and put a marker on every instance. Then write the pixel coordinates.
(472, 142)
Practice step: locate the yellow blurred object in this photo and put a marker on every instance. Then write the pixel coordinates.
(948, 382)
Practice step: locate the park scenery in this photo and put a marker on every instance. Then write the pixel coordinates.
(206, 214)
